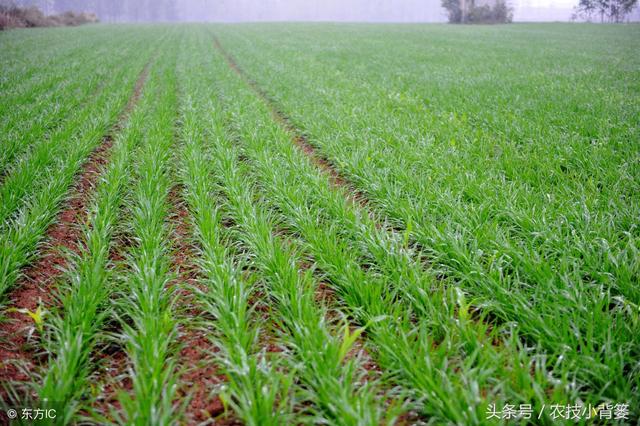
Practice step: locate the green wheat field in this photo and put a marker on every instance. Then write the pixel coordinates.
(335, 224)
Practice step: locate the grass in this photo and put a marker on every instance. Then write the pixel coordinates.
(80, 325)
(31, 119)
(148, 324)
(502, 189)
(34, 188)
(383, 276)
(471, 240)
(256, 391)
(332, 383)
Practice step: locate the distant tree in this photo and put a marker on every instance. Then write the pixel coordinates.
(454, 11)
(468, 12)
(608, 10)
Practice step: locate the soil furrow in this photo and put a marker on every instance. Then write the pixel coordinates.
(324, 294)
(297, 137)
(197, 355)
(18, 336)
(34, 290)
(338, 180)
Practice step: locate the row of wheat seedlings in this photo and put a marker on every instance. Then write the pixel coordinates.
(425, 328)
(27, 121)
(331, 382)
(255, 390)
(78, 326)
(21, 235)
(148, 324)
(328, 380)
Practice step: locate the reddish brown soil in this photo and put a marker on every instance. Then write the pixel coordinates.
(320, 161)
(113, 361)
(34, 289)
(200, 375)
(112, 380)
(18, 351)
(135, 97)
(111, 358)
(324, 294)
(355, 196)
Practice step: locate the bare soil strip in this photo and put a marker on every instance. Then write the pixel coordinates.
(323, 292)
(200, 375)
(320, 161)
(18, 341)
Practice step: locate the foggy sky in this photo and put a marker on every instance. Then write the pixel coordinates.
(358, 10)
(311, 10)
(355, 10)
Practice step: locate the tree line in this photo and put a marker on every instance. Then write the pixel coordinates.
(606, 10)
(109, 10)
(470, 12)
(499, 11)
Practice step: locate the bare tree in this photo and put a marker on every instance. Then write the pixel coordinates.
(609, 10)
(467, 11)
